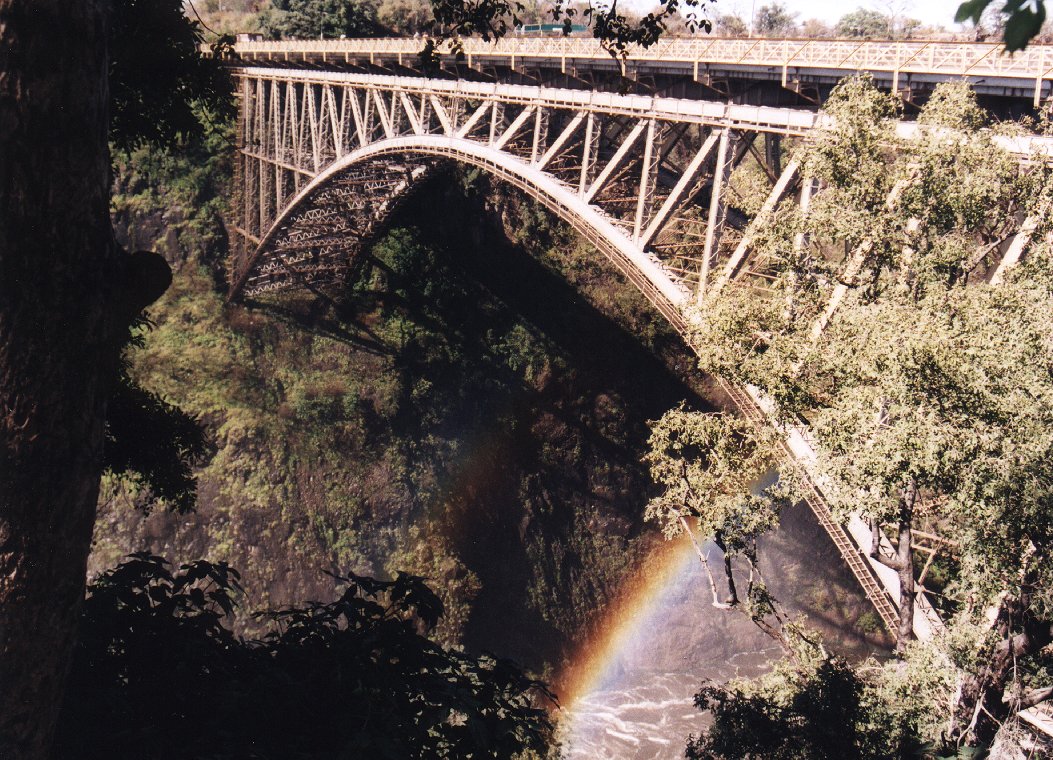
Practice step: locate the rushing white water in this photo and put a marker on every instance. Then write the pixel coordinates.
(636, 701)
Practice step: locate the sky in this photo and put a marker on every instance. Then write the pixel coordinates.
(926, 11)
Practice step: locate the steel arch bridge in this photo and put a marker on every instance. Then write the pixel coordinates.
(326, 156)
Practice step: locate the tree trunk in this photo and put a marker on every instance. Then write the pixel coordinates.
(902, 563)
(905, 567)
(60, 327)
(729, 572)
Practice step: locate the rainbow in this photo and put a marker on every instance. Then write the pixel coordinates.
(629, 621)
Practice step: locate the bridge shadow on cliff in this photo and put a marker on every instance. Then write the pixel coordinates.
(558, 460)
(605, 346)
(551, 462)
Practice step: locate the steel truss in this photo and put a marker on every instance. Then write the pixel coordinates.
(648, 179)
(326, 156)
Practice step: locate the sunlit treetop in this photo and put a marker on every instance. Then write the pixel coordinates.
(616, 30)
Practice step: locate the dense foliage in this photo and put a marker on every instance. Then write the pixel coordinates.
(321, 19)
(156, 671)
(814, 706)
(166, 98)
(774, 20)
(864, 22)
(161, 85)
(1021, 20)
(155, 444)
(927, 389)
(707, 465)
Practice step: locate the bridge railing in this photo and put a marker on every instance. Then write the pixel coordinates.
(748, 117)
(973, 59)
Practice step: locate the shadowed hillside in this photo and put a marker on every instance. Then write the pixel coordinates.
(472, 408)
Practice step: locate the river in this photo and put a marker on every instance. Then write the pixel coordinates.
(628, 695)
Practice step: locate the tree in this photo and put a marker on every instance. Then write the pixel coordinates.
(67, 297)
(814, 28)
(160, 86)
(1020, 21)
(920, 383)
(731, 25)
(864, 23)
(405, 16)
(314, 19)
(814, 705)
(616, 30)
(774, 20)
(908, 27)
(706, 464)
(157, 671)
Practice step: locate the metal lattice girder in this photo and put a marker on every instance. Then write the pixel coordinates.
(685, 188)
(561, 140)
(738, 256)
(648, 171)
(325, 226)
(625, 157)
(717, 205)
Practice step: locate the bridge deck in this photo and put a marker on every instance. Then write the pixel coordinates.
(894, 63)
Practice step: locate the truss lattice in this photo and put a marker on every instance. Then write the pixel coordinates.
(325, 157)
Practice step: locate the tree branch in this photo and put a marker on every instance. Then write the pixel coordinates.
(889, 562)
(875, 549)
(1034, 697)
(1035, 636)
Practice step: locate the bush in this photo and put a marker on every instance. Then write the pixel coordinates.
(156, 673)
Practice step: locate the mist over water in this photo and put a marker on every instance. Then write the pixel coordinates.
(632, 689)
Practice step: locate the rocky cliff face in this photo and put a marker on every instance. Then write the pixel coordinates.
(472, 408)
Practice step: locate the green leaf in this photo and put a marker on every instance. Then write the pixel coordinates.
(1022, 25)
(971, 10)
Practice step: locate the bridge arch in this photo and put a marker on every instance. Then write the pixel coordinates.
(641, 269)
(309, 197)
(326, 156)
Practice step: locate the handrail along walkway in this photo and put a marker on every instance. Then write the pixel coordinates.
(1026, 71)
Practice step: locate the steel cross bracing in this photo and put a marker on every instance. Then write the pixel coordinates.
(326, 156)
(1025, 73)
(644, 178)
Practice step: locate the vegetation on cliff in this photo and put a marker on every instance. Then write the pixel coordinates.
(458, 402)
